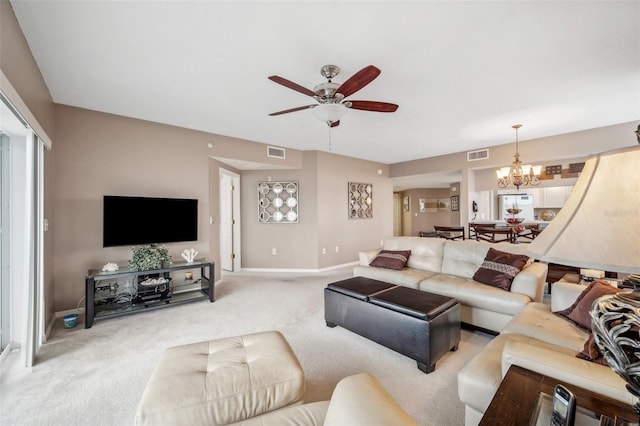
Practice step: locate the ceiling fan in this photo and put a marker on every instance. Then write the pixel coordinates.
(331, 96)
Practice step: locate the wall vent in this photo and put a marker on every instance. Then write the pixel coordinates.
(481, 154)
(274, 152)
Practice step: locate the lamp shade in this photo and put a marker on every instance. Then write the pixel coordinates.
(329, 112)
(599, 225)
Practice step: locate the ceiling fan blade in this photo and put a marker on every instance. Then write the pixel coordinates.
(373, 106)
(286, 111)
(291, 85)
(357, 81)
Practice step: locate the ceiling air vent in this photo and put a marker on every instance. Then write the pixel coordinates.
(481, 154)
(274, 152)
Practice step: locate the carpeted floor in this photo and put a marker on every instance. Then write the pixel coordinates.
(96, 376)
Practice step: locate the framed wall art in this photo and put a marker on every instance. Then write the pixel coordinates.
(431, 205)
(360, 200)
(278, 202)
(455, 203)
(443, 204)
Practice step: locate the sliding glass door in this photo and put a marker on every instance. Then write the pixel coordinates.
(21, 258)
(5, 329)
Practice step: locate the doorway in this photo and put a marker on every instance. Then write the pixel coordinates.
(21, 235)
(230, 246)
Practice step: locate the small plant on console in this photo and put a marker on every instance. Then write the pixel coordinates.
(149, 257)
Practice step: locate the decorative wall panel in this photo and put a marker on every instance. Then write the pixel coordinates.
(360, 200)
(278, 202)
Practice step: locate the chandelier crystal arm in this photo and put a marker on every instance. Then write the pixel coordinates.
(518, 175)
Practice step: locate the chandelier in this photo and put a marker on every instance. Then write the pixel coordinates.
(518, 174)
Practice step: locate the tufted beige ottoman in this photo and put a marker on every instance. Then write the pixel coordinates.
(222, 381)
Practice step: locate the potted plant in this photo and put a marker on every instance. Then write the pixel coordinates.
(149, 257)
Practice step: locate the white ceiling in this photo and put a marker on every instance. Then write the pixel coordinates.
(462, 72)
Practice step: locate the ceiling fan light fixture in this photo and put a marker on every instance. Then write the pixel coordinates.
(329, 113)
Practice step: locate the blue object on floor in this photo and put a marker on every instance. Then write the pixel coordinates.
(70, 320)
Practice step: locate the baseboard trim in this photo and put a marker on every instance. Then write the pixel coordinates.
(10, 348)
(60, 314)
(295, 270)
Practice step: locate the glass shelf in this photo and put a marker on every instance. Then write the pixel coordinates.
(115, 293)
(583, 417)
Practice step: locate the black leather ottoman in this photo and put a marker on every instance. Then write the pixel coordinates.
(417, 324)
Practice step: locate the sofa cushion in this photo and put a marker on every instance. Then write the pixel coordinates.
(472, 293)
(536, 320)
(310, 414)
(408, 277)
(579, 312)
(499, 268)
(463, 258)
(360, 400)
(426, 254)
(391, 259)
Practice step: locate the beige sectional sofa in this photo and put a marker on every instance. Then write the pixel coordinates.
(538, 340)
(358, 400)
(447, 268)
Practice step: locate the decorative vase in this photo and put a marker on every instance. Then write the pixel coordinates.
(615, 321)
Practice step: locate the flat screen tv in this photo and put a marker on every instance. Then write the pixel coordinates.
(142, 220)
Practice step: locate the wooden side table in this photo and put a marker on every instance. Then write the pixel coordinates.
(516, 400)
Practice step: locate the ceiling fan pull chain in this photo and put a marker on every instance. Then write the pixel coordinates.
(329, 136)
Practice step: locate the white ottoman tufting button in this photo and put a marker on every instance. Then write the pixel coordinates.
(222, 381)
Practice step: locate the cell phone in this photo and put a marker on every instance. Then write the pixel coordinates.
(564, 407)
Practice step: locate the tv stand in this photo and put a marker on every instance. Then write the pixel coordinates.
(124, 292)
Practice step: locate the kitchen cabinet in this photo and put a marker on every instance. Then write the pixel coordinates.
(552, 197)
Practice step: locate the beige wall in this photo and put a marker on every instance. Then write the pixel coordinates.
(18, 64)
(334, 226)
(20, 68)
(101, 154)
(416, 220)
(323, 216)
(98, 154)
(479, 176)
(294, 242)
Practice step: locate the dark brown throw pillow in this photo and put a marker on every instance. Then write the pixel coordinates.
(391, 259)
(499, 268)
(579, 312)
(591, 352)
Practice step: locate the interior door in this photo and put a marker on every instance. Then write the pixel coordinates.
(226, 221)
(230, 241)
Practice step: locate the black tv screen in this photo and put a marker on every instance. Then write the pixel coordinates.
(143, 220)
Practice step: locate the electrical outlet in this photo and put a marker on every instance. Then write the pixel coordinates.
(324, 250)
(381, 242)
(337, 249)
(274, 251)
